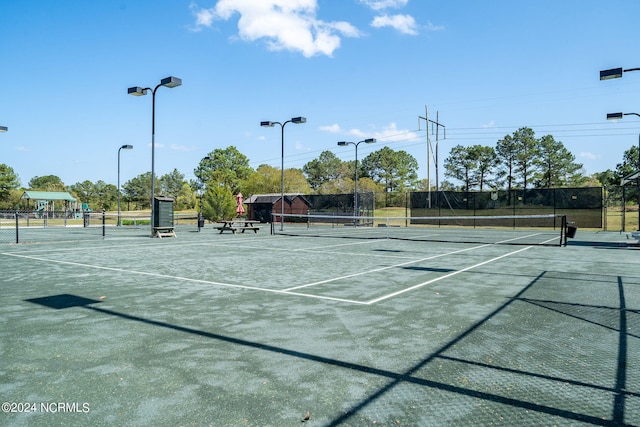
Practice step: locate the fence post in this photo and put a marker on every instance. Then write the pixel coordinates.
(624, 206)
(606, 202)
(17, 236)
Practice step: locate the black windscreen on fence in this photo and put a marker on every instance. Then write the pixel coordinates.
(583, 206)
(341, 203)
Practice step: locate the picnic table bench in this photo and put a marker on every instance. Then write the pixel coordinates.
(238, 225)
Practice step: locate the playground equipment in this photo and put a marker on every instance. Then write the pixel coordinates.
(40, 208)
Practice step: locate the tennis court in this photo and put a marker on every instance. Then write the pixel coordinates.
(263, 330)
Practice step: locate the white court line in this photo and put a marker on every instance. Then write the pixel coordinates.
(446, 276)
(525, 237)
(375, 270)
(184, 279)
(288, 291)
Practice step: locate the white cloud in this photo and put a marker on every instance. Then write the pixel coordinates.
(299, 146)
(489, 125)
(432, 27)
(403, 23)
(284, 24)
(588, 155)
(335, 128)
(389, 133)
(204, 17)
(384, 4)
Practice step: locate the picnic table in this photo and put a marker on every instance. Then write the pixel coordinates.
(237, 224)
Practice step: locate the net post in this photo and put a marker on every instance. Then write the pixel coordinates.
(104, 222)
(563, 231)
(388, 227)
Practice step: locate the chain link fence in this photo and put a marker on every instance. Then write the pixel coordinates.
(621, 208)
(29, 226)
(583, 206)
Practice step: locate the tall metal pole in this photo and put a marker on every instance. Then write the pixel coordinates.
(615, 73)
(356, 209)
(119, 186)
(282, 177)
(437, 124)
(355, 187)
(153, 151)
(437, 171)
(126, 147)
(426, 118)
(296, 120)
(169, 82)
(617, 116)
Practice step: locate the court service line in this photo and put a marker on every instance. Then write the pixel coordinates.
(184, 279)
(525, 237)
(446, 276)
(375, 270)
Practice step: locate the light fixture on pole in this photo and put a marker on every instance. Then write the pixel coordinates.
(169, 82)
(615, 73)
(618, 116)
(124, 147)
(268, 124)
(3, 128)
(355, 187)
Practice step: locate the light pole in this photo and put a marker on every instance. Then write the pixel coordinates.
(355, 188)
(296, 120)
(616, 73)
(200, 219)
(618, 116)
(124, 147)
(169, 82)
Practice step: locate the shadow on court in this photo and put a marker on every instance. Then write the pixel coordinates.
(536, 345)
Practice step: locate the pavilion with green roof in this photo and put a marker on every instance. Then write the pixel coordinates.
(45, 201)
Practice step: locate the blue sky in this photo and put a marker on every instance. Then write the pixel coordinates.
(355, 69)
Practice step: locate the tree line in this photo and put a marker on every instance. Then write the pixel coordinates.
(519, 160)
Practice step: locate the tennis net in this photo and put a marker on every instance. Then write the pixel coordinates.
(545, 230)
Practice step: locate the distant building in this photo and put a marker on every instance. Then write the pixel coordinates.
(261, 206)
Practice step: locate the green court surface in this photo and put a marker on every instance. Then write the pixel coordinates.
(261, 330)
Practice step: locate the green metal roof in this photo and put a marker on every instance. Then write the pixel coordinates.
(629, 178)
(48, 195)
